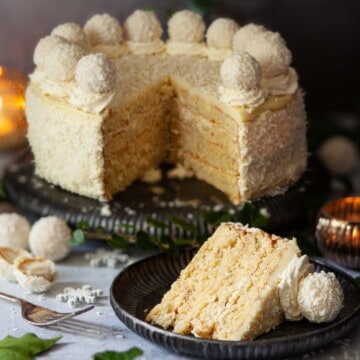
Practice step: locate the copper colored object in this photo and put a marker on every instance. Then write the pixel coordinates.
(338, 231)
(12, 105)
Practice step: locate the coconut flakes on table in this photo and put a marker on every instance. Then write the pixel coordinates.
(79, 296)
(111, 259)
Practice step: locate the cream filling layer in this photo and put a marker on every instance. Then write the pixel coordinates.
(143, 48)
(288, 287)
(192, 49)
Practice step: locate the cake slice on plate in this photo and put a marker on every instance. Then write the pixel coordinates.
(242, 283)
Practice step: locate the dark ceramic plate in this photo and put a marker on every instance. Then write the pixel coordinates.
(141, 286)
(188, 199)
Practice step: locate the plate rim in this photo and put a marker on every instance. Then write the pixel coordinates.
(237, 343)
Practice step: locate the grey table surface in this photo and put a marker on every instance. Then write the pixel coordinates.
(100, 329)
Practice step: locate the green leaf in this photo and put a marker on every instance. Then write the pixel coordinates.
(115, 355)
(202, 6)
(2, 190)
(78, 238)
(156, 223)
(251, 216)
(83, 225)
(25, 347)
(118, 242)
(215, 218)
(100, 229)
(183, 224)
(144, 241)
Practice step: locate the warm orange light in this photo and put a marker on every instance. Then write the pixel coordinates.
(12, 105)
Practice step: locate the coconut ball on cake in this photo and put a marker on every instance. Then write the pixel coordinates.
(14, 231)
(49, 238)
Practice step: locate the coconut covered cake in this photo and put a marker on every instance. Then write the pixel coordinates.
(106, 104)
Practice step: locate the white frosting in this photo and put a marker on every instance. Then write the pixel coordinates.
(57, 58)
(241, 76)
(190, 49)
(142, 48)
(103, 29)
(251, 99)
(142, 27)
(186, 26)
(14, 231)
(90, 102)
(96, 73)
(217, 54)
(59, 89)
(112, 51)
(71, 32)
(320, 297)
(49, 238)
(221, 32)
(289, 284)
(284, 84)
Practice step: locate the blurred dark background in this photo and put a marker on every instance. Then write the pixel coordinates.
(323, 35)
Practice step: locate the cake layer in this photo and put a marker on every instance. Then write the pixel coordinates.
(228, 290)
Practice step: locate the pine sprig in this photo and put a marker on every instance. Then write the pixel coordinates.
(171, 231)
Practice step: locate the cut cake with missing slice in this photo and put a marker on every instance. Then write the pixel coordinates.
(229, 289)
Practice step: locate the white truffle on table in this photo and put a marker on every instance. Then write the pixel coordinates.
(8, 255)
(49, 238)
(14, 230)
(36, 275)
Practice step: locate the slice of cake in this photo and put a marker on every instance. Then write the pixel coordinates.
(242, 283)
(103, 110)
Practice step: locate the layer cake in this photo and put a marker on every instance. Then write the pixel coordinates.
(102, 111)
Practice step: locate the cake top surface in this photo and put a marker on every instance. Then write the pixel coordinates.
(240, 66)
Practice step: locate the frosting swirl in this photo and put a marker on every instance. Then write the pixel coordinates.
(288, 287)
(284, 84)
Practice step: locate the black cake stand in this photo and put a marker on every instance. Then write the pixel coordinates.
(188, 199)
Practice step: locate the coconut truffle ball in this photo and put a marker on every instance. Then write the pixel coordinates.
(142, 26)
(103, 29)
(14, 231)
(186, 27)
(241, 71)
(49, 238)
(339, 154)
(268, 48)
(320, 297)
(221, 32)
(71, 32)
(57, 58)
(96, 73)
(246, 34)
